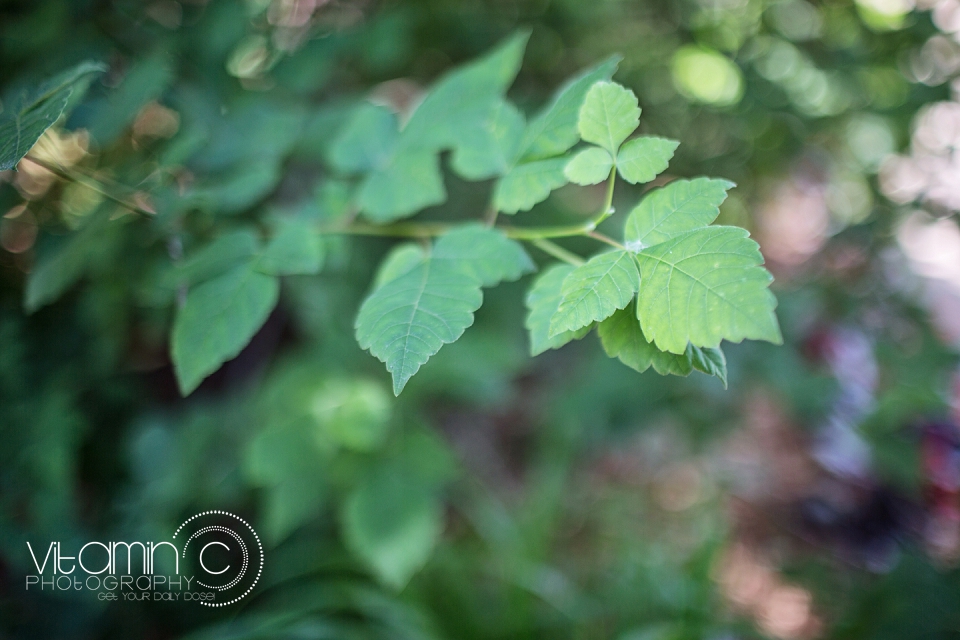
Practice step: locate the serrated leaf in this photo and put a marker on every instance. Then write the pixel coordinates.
(710, 361)
(610, 113)
(590, 166)
(595, 290)
(489, 146)
(705, 286)
(295, 249)
(643, 159)
(484, 253)
(399, 261)
(26, 116)
(217, 321)
(681, 206)
(367, 140)
(622, 338)
(554, 130)
(528, 184)
(543, 300)
(407, 319)
(392, 521)
(409, 183)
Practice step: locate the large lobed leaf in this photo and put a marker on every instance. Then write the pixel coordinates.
(705, 286)
(700, 284)
(679, 207)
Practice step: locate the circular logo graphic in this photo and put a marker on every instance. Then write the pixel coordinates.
(225, 552)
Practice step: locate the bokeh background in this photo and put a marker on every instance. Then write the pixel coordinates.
(817, 497)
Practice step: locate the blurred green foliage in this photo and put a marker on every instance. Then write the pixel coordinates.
(499, 496)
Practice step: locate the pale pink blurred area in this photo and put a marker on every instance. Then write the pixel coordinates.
(930, 173)
(931, 247)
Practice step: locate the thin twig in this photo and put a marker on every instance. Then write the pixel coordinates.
(557, 251)
(90, 183)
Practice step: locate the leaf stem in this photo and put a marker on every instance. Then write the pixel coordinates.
(596, 235)
(490, 218)
(557, 251)
(607, 209)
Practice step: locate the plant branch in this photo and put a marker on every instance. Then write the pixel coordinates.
(430, 229)
(557, 251)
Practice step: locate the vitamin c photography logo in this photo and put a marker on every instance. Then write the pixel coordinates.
(214, 558)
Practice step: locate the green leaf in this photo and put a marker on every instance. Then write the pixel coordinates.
(218, 320)
(622, 338)
(225, 252)
(609, 114)
(542, 302)
(705, 286)
(288, 463)
(489, 146)
(554, 130)
(409, 183)
(710, 361)
(295, 248)
(681, 206)
(484, 253)
(399, 261)
(354, 413)
(239, 189)
(643, 159)
(593, 291)
(590, 166)
(419, 304)
(367, 141)
(528, 184)
(463, 96)
(27, 116)
(56, 272)
(392, 521)
(407, 319)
